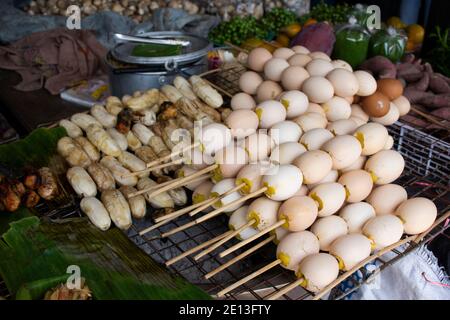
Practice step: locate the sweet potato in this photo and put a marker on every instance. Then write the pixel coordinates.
(422, 84)
(443, 113)
(381, 67)
(409, 72)
(435, 101)
(439, 85)
(415, 96)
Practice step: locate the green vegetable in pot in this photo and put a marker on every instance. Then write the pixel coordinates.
(388, 43)
(156, 50)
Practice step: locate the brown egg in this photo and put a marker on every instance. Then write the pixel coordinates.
(376, 105)
(257, 58)
(391, 88)
(249, 82)
(268, 90)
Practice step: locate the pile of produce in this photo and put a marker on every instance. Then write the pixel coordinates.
(335, 14)
(238, 29)
(144, 124)
(422, 86)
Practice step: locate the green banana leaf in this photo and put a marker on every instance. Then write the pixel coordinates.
(35, 150)
(34, 254)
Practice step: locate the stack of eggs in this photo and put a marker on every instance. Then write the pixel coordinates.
(342, 149)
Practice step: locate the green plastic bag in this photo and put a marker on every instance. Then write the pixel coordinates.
(389, 43)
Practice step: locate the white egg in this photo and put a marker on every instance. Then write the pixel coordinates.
(293, 77)
(283, 53)
(294, 247)
(328, 229)
(282, 182)
(344, 82)
(318, 89)
(318, 270)
(356, 215)
(230, 159)
(214, 137)
(403, 105)
(249, 82)
(319, 67)
(279, 234)
(359, 122)
(251, 175)
(358, 164)
(367, 84)
(332, 176)
(239, 218)
(286, 152)
(314, 139)
(317, 108)
(285, 131)
(390, 118)
(337, 108)
(343, 126)
(299, 212)
(350, 250)
(295, 102)
(258, 146)
(269, 113)
(372, 136)
(357, 183)
(220, 188)
(242, 100)
(311, 120)
(320, 55)
(186, 171)
(386, 198)
(242, 123)
(303, 191)
(344, 150)
(268, 90)
(198, 160)
(330, 197)
(314, 165)
(264, 212)
(299, 59)
(202, 192)
(389, 143)
(274, 68)
(417, 214)
(300, 49)
(341, 64)
(358, 112)
(385, 166)
(383, 231)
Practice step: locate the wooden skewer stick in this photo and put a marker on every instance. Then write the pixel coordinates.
(195, 249)
(430, 118)
(172, 215)
(160, 223)
(161, 166)
(178, 229)
(218, 211)
(286, 289)
(160, 185)
(183, 181)
(239, 257)
(248, 278)
(254, 237)
(223, 195)
(169, 156)
(235, 47)
(226, 239)
(361, 264)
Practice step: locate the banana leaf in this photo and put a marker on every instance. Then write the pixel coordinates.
(35, 252)
(35, 150)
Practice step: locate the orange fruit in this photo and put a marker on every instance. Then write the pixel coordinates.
(283, 40)
(309, 22)
(416, 33)
(410, 46)
(292, 30)
(395, 22)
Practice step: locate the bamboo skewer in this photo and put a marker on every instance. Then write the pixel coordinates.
(160, 223)
(183, 181)
(221, 242)
(172, 215)
(160, 185)
(195, 249)
(161, 166)
(254, 237)
(169, 156)
(237, 188)
(249, 277)
(218, 211)
(430, 118)
(239, 257)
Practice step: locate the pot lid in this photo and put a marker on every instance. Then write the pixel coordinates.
(197, 48)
